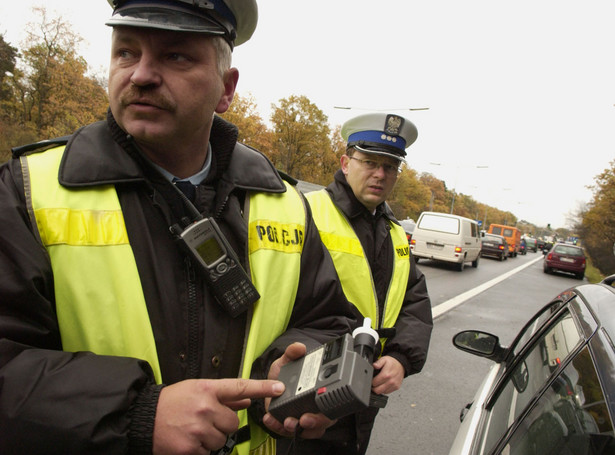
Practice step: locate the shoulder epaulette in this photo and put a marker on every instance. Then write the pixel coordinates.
(39, 146)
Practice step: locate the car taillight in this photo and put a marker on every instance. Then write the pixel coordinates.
(458, 249)
(550, 256)
(412, 242)
(501, 247)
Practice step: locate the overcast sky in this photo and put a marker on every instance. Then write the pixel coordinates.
(520, 94)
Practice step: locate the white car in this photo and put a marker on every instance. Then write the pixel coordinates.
(447, 238)
(552, 392)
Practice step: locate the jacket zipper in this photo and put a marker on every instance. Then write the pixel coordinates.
(193, 323)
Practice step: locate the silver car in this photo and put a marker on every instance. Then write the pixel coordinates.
(553, 390)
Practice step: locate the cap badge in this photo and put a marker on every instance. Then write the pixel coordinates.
(393, 124)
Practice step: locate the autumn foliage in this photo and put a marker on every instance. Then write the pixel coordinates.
(597, 227)
(44, 89)
(46, 92)
(300, 142)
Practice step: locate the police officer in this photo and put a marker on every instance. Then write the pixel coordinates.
(119, 333)
(372, 257)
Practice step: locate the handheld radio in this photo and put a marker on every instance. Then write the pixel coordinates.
(229, 283)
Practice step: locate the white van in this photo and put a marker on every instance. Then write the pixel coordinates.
(448, 238)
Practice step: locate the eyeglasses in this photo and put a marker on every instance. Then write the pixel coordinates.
(371, 165)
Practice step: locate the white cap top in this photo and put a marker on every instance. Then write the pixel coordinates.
(367, 322)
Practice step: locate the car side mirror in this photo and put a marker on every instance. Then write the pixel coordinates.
(609, 281)
(479, 343)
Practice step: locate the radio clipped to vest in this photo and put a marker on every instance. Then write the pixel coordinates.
(228, 281)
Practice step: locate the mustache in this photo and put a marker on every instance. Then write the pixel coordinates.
(140, 95)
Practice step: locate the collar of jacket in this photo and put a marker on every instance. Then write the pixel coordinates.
(101, 153)
(349, 204)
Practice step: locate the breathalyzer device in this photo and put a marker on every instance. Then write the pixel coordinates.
(229, 283)
(334, 379)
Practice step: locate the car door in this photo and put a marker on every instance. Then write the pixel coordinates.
(476, 241)
(570, 416)
(534, 370)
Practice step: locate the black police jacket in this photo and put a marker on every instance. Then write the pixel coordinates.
(59, 402)
(414, 324)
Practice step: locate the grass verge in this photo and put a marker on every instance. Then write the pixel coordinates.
(592, 274)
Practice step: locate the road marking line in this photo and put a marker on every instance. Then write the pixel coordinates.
(445, 307)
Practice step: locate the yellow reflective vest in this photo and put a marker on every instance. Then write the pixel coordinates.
(99, 298)
(352, 266)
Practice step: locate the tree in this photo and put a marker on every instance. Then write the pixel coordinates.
(62, 98)
(49, 94)
(302, 147)
(331, 161)
(439, 200)
(598, 227)
(8, 59)
(252, 130)
(410, 195)
(338, 144)
(466, 206)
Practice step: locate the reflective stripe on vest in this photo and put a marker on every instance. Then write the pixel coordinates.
(93, 264)
(352, 266)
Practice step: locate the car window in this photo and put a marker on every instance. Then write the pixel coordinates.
(571, 416)
(496, 230)
(530, 329)
(507, 233)
(569, 250)
(440, 223)
(530, 375)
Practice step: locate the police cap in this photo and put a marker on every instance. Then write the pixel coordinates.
(380, 133)
(235, 20)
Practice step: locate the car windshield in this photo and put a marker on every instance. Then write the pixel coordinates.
(530, 375)
(568, 250)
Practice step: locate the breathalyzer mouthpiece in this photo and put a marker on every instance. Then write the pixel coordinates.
(365, 339)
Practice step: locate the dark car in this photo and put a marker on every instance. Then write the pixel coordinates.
(531, 244)
(494, 246)
(552, 391)
(546, 247)
(408, 226)
(565, 258)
